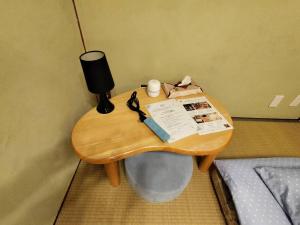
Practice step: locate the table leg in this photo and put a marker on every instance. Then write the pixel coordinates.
(113, 173)
(206, 162)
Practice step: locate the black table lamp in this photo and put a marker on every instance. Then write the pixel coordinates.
(98, 78)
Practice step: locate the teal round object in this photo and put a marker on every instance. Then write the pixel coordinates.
(159, 176)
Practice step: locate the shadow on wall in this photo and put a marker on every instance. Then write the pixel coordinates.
(37, 180)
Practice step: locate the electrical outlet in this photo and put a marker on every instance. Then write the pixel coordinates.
(276, 100)
(295, 102)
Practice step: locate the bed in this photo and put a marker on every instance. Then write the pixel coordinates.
(263, 191)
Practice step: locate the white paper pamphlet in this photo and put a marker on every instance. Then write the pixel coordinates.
(172, 117)
(184, 117)
(207, 117)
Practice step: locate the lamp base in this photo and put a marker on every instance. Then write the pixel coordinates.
(104, 106)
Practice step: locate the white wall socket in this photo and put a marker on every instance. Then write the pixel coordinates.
(276, 100)
(295, 102)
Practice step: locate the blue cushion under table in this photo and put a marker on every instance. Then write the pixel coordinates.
(159, 176)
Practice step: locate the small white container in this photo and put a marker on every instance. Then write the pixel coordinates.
(153, 88)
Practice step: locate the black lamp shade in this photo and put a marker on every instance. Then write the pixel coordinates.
(96, 71)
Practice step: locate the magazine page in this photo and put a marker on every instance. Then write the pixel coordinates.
(206, 116)
(172, 117)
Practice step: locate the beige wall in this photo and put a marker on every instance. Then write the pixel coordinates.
(42, 94)
(241, 52)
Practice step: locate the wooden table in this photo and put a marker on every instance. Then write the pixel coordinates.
(108, 138)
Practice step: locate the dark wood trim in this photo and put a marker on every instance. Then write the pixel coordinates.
(66, 194)
(265, 119)
(79, 26)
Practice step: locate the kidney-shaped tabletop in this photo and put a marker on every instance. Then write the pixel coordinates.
(105, 138)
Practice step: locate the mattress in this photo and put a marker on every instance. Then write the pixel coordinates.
(224, 197)
(243, 196)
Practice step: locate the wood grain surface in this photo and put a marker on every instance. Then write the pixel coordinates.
(105, 138)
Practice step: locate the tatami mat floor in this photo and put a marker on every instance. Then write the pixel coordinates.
(91, 200)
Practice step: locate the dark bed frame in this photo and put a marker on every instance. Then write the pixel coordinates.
(224, 197)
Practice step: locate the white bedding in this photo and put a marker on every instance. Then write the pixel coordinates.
(253, 201)
(284, 184)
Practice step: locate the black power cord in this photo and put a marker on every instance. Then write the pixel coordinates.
(134, 105)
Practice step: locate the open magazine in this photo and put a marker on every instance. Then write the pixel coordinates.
(184, 117)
